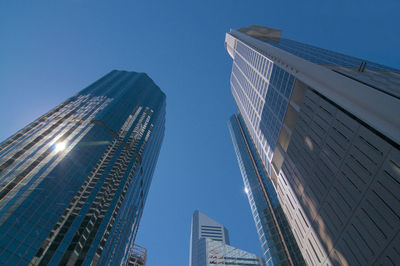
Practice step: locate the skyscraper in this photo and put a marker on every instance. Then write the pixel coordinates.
(325, 127)
(277, 241)
(73, 183)
(209, 245)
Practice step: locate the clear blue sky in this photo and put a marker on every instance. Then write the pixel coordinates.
(49, 50)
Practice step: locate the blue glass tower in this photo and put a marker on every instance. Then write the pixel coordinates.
(74, 182)
(277, 241)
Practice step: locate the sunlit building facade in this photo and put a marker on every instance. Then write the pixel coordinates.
(325, 128)
(74, 182)
(276, 237)
(209, 245)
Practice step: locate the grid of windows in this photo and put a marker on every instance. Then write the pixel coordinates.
(221, 254)
(213, 232)
(280, 88)
(69, 204)
(262, 91)
(343, 187)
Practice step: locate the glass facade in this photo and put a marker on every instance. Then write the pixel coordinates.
(73, 183)
(277, 241)
(384, 78)
(322, 56)
(137, 256)
(262, 91)
(222, 254)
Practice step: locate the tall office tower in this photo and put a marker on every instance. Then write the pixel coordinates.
(325, 128)
(277, 241)
(209, 245)
(74, 182)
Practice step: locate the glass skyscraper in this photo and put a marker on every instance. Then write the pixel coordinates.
(325, 128)
(209, 245)
(73, 183)
(277, 241)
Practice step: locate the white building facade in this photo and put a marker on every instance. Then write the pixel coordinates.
(209, 245)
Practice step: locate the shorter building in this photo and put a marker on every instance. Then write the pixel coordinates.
(209, 245)
(137, 256)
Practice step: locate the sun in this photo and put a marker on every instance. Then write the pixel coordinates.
(60, 146)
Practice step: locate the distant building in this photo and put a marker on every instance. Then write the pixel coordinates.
(137, 256)
(326, 129)
(209, 245)
(73, 183)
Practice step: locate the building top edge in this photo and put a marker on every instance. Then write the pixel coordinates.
(374, 107)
